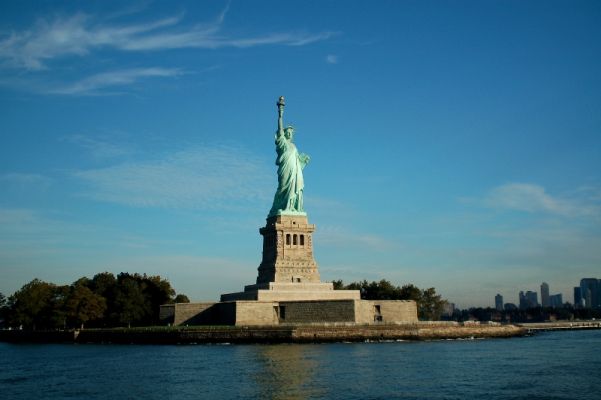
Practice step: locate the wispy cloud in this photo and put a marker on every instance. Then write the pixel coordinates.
(93, 84)
(290, 39)
(27, 232)
(97, 147)
(534, 198)
(332, 59)
(339, 236)
(80, 34)
(26, 179)
(16, 216)
(217, 177)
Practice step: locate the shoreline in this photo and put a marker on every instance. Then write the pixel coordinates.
(267, 334)
(300, 333)
(533, 327)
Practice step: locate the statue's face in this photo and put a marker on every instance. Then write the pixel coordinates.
(289, 133)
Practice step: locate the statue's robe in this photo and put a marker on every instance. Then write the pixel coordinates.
(289, 195)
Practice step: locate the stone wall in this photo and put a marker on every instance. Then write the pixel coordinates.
(385, 311)
(272, 313)
(195, 314)
(308, 312)
(226, 313)
(398, 311)
(167, 314)
(255, 313)
(409, 331)
(307, 295)
(271, 334)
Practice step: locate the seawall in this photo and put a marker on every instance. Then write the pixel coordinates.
(278, 334)
(560, 325)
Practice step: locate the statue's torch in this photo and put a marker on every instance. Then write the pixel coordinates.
(280, 105)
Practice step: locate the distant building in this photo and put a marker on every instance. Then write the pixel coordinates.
(544, 294)
(587, 295)
(510, 307)
(532, 298)
(528, 300)
(578, 297)
(448, 309)
(556, 301)
(522, 300)
(499, 302)
(590, 290)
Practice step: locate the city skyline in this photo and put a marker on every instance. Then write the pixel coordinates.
(452, 146)
(590, 286)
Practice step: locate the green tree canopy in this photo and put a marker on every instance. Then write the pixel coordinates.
(102, 301)
(130, 304)
(83, 305)
(181, 298)
(38, 304)
(431, 305)
(3, 307)
(104, 284)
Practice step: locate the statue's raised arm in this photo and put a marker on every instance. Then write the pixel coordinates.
(280, 105)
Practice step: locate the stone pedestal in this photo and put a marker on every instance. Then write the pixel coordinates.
(288, 250)
(288, 271)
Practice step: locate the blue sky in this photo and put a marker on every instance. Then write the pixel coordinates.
(453, 144)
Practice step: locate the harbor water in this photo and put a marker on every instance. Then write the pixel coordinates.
(548, 365)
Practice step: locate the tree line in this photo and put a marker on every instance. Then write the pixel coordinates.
(105, 300)
(430, 305)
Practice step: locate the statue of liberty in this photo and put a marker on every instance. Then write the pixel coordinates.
(288, 198)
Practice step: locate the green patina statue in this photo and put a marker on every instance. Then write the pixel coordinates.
(288, 199)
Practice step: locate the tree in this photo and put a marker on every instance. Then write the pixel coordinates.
(431, 305)
(83, 281)
(36, 305)
(130, 304)
(3, 308)
(105, 284)
(338, 285)
(181, 298)
(55, 316)
(104, 300)
(83, 305)
(411, 292)
(157, 291)
(147, 294)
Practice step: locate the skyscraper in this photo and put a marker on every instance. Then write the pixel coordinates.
(556, 300)
(544, 294)
(499, 302)
(577, 297)
(522, 303)
(590, 292)
(528, 300)
(532, 298)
